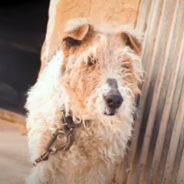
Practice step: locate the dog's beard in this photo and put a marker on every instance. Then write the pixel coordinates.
(110, 111)
(103, 109)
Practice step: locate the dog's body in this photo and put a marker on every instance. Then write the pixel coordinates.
(95, 77)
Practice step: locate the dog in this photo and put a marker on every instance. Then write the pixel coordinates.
(93, 78)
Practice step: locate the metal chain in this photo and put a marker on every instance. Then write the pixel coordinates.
(68, 130)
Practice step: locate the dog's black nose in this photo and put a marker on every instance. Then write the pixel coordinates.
(113, 100)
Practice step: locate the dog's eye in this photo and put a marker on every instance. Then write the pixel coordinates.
(91, 61)
(126, 64)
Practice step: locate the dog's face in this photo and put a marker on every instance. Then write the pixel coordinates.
(101, 70)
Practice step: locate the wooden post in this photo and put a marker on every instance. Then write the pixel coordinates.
(113, 12)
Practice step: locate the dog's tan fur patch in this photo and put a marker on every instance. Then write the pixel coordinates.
(76, 79)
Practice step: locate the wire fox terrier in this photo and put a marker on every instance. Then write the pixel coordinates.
(93, 79)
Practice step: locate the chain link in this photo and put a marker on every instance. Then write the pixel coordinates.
(68, 130)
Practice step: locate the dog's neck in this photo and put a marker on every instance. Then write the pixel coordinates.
(70, 116)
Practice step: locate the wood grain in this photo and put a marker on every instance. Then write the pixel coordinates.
(12, 117)
(157, 146)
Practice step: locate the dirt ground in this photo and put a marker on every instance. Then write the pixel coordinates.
(14, 157)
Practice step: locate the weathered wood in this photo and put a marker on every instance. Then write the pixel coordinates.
(174, 141)
(12, 117)
(159, 126)
(180, 178)
(149, 41)
(178, 26)
(163, 46)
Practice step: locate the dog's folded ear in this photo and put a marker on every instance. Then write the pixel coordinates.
(133, 41)
(75, 31)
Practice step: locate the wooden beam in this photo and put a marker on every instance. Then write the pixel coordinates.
(12, 117)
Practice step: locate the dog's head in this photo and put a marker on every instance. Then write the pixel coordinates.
(101, 68)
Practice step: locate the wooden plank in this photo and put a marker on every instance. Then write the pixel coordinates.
(163, 61)
(12, 117)
(149, 41)
(143, 12)
(170, 93)
(174, 141)
(180, 178)
(164, 46)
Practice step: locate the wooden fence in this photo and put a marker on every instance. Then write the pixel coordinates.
(156, 154)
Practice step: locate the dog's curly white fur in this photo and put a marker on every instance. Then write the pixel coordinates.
(76, 79)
